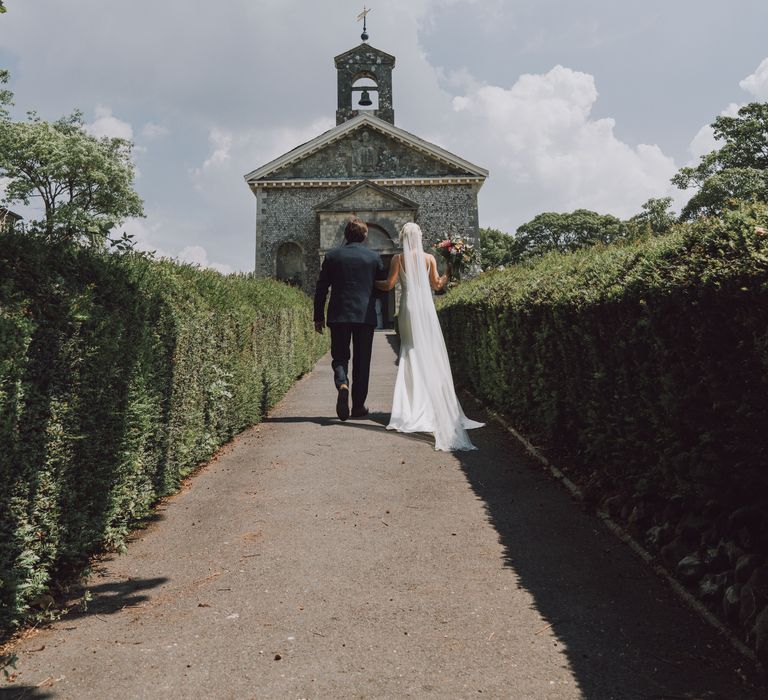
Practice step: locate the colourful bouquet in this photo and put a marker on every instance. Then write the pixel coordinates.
(458, 255)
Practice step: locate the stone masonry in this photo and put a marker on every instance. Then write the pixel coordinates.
(367, 167)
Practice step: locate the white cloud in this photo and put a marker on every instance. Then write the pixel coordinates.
(143, 234)
(106, 124)
(154, 131)
(222, 143)
(757, 83)
(546, 152)
(704, 142)
(197, 255)
(235, 153)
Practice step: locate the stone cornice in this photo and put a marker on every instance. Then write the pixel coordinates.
(342, 130)
(383, 182)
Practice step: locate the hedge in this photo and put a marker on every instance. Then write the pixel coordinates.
(118, 376)
(647, 355)
(642, 369)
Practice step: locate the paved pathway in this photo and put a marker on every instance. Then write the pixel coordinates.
(319, 559)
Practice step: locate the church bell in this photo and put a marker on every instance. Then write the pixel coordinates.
(365, 99)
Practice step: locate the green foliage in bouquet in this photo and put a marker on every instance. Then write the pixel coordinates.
(118, 376)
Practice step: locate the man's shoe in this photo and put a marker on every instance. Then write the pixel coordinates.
(342, 403)
(359, 412)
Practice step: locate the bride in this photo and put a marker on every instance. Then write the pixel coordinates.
(425, 399)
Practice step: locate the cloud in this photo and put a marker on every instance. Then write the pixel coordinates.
(232, 154)
(197, 255)
(546, 152)
(144, 233)
(154, 131)
(221, 141)
(704, 142)
(756, 84)
(106, 124)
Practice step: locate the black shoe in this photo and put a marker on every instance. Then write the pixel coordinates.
(342, 404)
(359, 412)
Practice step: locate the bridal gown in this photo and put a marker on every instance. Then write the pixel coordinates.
(425, 399)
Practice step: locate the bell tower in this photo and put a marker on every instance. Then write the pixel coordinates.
(364, 82)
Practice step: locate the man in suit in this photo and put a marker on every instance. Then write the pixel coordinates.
(350, 272)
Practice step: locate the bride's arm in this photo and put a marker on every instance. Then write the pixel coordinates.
(437, 283)
(394, 269)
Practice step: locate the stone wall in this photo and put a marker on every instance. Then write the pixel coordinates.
(289, 215)
(444, 210)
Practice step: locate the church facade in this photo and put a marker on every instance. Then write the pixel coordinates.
(367, 167)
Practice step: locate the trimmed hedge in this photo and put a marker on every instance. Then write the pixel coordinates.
(118, 376)
(644, 358)
(642, 368)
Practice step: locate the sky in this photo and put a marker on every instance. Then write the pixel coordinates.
(594, 104)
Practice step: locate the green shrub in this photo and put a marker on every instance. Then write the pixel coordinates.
(118, 376)
(647, 359)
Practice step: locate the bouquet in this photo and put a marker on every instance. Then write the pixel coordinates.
(457, 254)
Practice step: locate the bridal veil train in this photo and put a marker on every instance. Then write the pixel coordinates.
(425, 399)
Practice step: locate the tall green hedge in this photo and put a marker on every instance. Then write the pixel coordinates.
(118, 375)
(647, 360)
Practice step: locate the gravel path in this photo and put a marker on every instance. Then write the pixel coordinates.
(319, 559)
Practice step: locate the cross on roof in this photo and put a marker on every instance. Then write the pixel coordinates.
(364, 16)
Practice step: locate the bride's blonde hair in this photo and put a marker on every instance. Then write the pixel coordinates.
(411, 231)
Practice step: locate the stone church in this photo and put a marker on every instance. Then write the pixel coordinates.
(365, 166)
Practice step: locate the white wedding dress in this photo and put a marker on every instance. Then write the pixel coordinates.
(425, 399)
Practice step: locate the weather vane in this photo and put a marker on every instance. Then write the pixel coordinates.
(364, 16)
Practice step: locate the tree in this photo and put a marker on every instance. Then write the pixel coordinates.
(2, 7)
(85, 183)
(6, 96)
(736, 171)
(656, 217)
(567, 232)
(498, 248)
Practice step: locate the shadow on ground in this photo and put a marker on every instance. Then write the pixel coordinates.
(625, 635)
(25, 692)
(112, 597)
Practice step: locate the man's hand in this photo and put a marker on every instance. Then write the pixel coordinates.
(319, 325)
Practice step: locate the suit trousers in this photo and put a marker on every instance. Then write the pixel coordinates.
(361, 336)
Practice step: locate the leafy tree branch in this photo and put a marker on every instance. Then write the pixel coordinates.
(84, 183)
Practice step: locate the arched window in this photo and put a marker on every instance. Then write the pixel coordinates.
(365, 89)
(289, 264)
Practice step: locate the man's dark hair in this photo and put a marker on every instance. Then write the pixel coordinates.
(356, 231)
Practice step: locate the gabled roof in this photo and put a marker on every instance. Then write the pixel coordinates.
(7, 213)
(331, 204)
(377, 124)
(360, 48)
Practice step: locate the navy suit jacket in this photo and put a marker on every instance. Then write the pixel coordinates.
(350, 272)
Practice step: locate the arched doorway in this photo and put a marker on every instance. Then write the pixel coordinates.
(289, 264)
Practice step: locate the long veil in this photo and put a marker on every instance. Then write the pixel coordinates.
(431, 367)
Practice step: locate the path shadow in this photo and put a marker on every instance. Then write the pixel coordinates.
(112, 597)
(373, 421)
(625, 635)
(394, 344)
(25, 692)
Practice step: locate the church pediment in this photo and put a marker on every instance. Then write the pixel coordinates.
(364, 53)
(367, 196)
(366, 148)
